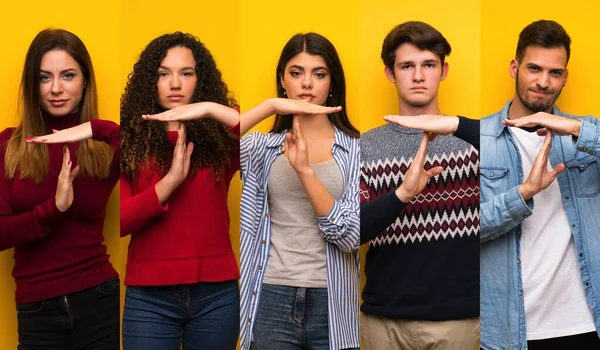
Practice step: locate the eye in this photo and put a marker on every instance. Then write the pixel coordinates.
(163, 74)
(320, 75)
(188, 74)
(405, 66)
(69, 76)
(44, 78)
(534, 68)
(295, 74)
(430, 65)
(556, 73)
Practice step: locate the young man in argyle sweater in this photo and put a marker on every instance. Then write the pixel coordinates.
(421, 220)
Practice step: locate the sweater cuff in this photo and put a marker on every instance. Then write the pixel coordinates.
(105, 131)
(48, 213)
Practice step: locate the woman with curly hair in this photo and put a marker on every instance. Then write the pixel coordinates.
(53, 201)
(300, 208)
(179, 151)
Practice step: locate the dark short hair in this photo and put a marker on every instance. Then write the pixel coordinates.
(420, 34)
(544, 33)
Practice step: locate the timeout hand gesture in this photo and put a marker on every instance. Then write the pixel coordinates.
(297, 148)
(417, 177)
(64, 188)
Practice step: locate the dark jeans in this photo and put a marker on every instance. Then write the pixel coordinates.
(84, 320)
(290, 318)
(199, 316)
(585, 341)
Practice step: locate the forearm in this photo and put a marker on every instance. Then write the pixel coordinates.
(320, 199)
(255, 115)
(138, 209)
(223, 114)
(105, 131)
(29, 226)
(377, 215)
(502, 213)
(468, 131)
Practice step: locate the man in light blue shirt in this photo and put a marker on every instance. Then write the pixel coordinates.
(540, 208)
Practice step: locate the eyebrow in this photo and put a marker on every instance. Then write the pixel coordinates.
(424, 62)
(63, 71)
(184, 68)
(533, 65)
(314, 69)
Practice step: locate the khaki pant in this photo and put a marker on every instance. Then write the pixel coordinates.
(378, 333)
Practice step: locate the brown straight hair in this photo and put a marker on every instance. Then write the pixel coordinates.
(31, 159)
(544, 33)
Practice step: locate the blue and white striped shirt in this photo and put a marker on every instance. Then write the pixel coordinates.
(340, 228)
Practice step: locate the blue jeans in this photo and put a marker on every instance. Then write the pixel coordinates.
(199, 316)
(290, 318)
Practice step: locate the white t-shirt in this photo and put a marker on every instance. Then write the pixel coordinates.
(555, 304)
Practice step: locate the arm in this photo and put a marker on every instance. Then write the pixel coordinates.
(30, 226)
(507, 210)
(138, 209)
(282, 106)
(383, 211)
(223, 114)
(589, 138)
(96, 129)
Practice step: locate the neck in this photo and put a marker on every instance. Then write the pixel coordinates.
(62, 122)
(431, 108)
(315, 126)
(172, 126)
(518, 110)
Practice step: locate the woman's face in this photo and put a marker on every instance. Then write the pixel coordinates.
(61, 83)
(306, 77)
(176, 78)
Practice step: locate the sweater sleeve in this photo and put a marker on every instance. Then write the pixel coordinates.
(138, 209)
(106, 131)
(26, 227)
(468, 131)
(377, 215)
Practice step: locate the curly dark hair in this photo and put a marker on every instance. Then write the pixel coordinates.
(145, 142)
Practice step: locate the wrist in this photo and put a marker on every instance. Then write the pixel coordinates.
(403, 195)
(525, 192)
(576, 127)
(305, 172)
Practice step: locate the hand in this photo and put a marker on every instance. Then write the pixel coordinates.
(190, 111)
(433, 124)
(558, 125)
(297, 149)
(289, 106)
(416, 177)
(180, 165)
(64, 187)
(540, 178)
(75, 134)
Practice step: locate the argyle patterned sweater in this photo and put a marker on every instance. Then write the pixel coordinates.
(425, 265)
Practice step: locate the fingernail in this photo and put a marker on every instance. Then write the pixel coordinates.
(44, 140)
(29, 138)
(69, 162)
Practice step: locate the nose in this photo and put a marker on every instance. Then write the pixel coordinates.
(175, 82)
(418, 74)
(543, 80)
(307, 81)
(56, 88)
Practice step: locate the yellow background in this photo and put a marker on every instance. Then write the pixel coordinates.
(100, 33)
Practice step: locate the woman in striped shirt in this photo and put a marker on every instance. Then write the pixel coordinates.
(300, 208)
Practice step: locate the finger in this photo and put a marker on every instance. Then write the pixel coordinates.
(422, 151)
(541, 131)
(557, 170)
(183, 133)
(296, 126)
(434, 171)
(73, 174)
(54, 130)
(432, 136)
(188, 157)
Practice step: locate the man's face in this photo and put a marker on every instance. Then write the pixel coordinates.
(417, 75)
(540, 76)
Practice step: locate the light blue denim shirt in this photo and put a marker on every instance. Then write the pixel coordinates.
(503, 210)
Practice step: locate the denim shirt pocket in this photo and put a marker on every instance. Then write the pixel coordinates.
(493, 180)
(585, 172)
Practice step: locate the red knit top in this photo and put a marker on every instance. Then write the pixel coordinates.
(57, 253)
(187, 239)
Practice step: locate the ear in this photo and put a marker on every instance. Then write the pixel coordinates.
(281, 81)
(390, 75)
(445, 69)
(566, 77)
(514, 67)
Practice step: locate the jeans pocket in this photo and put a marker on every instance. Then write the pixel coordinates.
(110, 287)
(29, 308)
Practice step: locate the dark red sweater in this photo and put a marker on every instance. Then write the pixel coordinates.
(187, 239)
(57, 253)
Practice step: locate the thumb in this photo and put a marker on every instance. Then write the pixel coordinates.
(434, 171)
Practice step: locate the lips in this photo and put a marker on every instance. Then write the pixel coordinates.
(306, 96)
(418, 88)
(175, 98)
(541, 92)
(58, 103)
